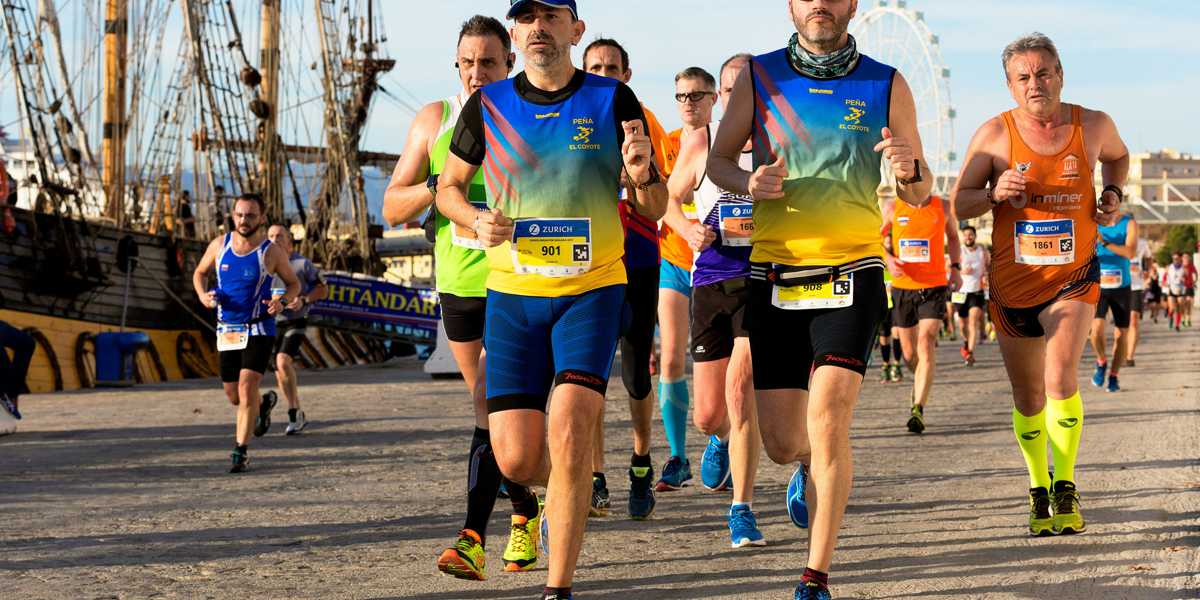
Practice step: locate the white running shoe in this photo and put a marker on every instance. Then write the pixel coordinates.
(298, 425)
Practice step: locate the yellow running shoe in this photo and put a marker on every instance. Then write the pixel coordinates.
(1067, 518)
(465, 559)
(521, 554)
(1040, 521)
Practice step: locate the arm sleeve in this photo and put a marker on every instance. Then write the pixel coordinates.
(467, 142)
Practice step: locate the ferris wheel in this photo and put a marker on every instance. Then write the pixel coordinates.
(896, 35)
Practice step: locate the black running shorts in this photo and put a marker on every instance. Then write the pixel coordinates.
(637, 341)
(254, 357)
(1119, 301)
(787, 345)
(718, 312)
(463, 317)
(289, 335)
(913, 306)
(974, 300)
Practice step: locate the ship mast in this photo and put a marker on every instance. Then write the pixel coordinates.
(116, 44)
(270, 176)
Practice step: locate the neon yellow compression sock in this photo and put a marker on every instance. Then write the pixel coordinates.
(1064, 424)
(1031, 437)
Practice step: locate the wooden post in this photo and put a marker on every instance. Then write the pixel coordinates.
(269, 157)
(116, 44)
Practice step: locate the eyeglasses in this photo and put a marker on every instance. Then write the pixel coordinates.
(693, 96)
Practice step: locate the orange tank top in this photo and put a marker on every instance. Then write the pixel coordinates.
(673, 248)
(1045, 241)
(919, 239)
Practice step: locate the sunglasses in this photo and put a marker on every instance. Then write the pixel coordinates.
(693, 96)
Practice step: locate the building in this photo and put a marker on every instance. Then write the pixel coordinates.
(1151, 175)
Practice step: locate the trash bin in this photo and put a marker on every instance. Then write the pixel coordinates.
(114, 357)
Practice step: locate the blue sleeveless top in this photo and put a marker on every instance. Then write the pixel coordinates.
(1114, 269)
(243, 284)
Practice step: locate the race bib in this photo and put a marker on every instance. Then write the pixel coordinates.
(552, 247)
(838, 293)
(1111, 279)
(958, 298)
(736, 223)
(914, 251)
(232, 337)
(464, 237)
(1045, 242)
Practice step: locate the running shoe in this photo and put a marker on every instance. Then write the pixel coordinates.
(885, 374)
(1040, 522)
(916, 419)
(557, 596)
(970, 362)
(796, 504)
(295, 427)
(543, 530)
(675, 474)
(10, 406)
(743, 527)
(897, 375)
(521, 554)
(1098, 374)
(1113, 384)
(465, 559)
(641, 493)
(714, 467)
(1067, 518)
(811, 591)
(263, 423)
(964, 351)
(241, 461)
(600, 501)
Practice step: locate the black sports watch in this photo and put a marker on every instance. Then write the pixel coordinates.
(431, 183)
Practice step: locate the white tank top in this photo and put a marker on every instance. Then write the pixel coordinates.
(1135, 266)
(708, 195)
(972, 269)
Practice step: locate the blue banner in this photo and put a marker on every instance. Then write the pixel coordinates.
(381, 305)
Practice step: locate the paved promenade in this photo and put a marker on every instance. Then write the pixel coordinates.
(124, 494)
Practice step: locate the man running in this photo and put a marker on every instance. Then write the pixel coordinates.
(720, 346)
(1137, 284)
(921, 236)
(1115, 247)
(607, 58)
(969, 302)
(291, 326)
(552, 143)
(1032, 167)
(1189, 288)
(695, 93)
(245, 260)
(819, 115)
(484, 55)
(1175, 284)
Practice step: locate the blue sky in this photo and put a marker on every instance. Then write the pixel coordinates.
(1138, 61)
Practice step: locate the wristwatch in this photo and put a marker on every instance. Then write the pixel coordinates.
(654, 178)
(956, 266)
(431, 183)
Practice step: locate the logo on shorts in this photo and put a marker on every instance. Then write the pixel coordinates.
(1070, 167)
(700, 350)
(1031, 435)
(535, 229)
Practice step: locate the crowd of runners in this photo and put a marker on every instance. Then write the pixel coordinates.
(767, 245)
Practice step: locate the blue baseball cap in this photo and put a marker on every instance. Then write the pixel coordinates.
(515, 6)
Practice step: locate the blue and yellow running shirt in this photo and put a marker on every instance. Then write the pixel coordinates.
(826, 130)
(551, 161)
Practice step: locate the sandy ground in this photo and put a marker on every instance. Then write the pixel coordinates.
(124, 494)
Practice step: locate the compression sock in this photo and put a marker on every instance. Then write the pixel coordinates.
(1031, 437)
(524, 501)
(885, 349)
(292, 414)
(1064, 423)
(673, 404)
(896, 351)
(483, 483)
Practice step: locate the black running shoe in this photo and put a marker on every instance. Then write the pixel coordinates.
(241, 461)
(600, 501)
(916, 419)
(263, 423)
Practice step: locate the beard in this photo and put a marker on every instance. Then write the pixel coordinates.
(545, 56)
(246, 231)
(821, 34)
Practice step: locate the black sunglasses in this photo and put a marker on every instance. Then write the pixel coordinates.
(692, 96)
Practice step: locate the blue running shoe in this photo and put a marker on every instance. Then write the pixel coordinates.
(544, 532)
(797, 507)
(1113, 384)
(811, 591)
(743, 527)
(675, 474)
(1098, 376)
(714, 467)
(641, 493)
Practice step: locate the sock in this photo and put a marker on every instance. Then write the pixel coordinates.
(640, 465)
(673, 404)
(748, 505)
(243, 449)
(556, 593)
(815, 578)
(600, 476)
(524, 501)
(896, 351)
(1031, 437)
(483, 483)
(886, 350)
(292, 414)
(1064, 423)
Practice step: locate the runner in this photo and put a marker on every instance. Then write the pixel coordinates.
(1032, 167)
(1154, 298)
(725, 408)
(1137, 284)
(291, 326)
(1115, 246)
(921, 280)
(14, 370)
(816, 288)
(1175, 284)
(969, 302)
(1189, 288)
(887, 329)
(695, 93)
(244, 260)
(607, 58)
(552, 143)
(484, 55)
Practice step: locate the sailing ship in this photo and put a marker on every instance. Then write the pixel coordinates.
(198, 101)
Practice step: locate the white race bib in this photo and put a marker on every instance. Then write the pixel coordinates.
(958, 298)
(1111, 279)
(736, 223)
(914, 250)
(552, 247)
(232, 337)
(838, 293)
(1045, 242)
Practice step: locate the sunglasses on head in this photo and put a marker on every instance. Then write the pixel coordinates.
(692, 96)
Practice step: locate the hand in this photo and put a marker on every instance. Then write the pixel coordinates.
(274, 306)
(209, 300)
(636, 152)
(493, 228)
(1110, 202)
(699, 237)
(1010, 186)
(955, 283)
(296, 304)
(766, 183)
(895, 266)
(898, 152)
